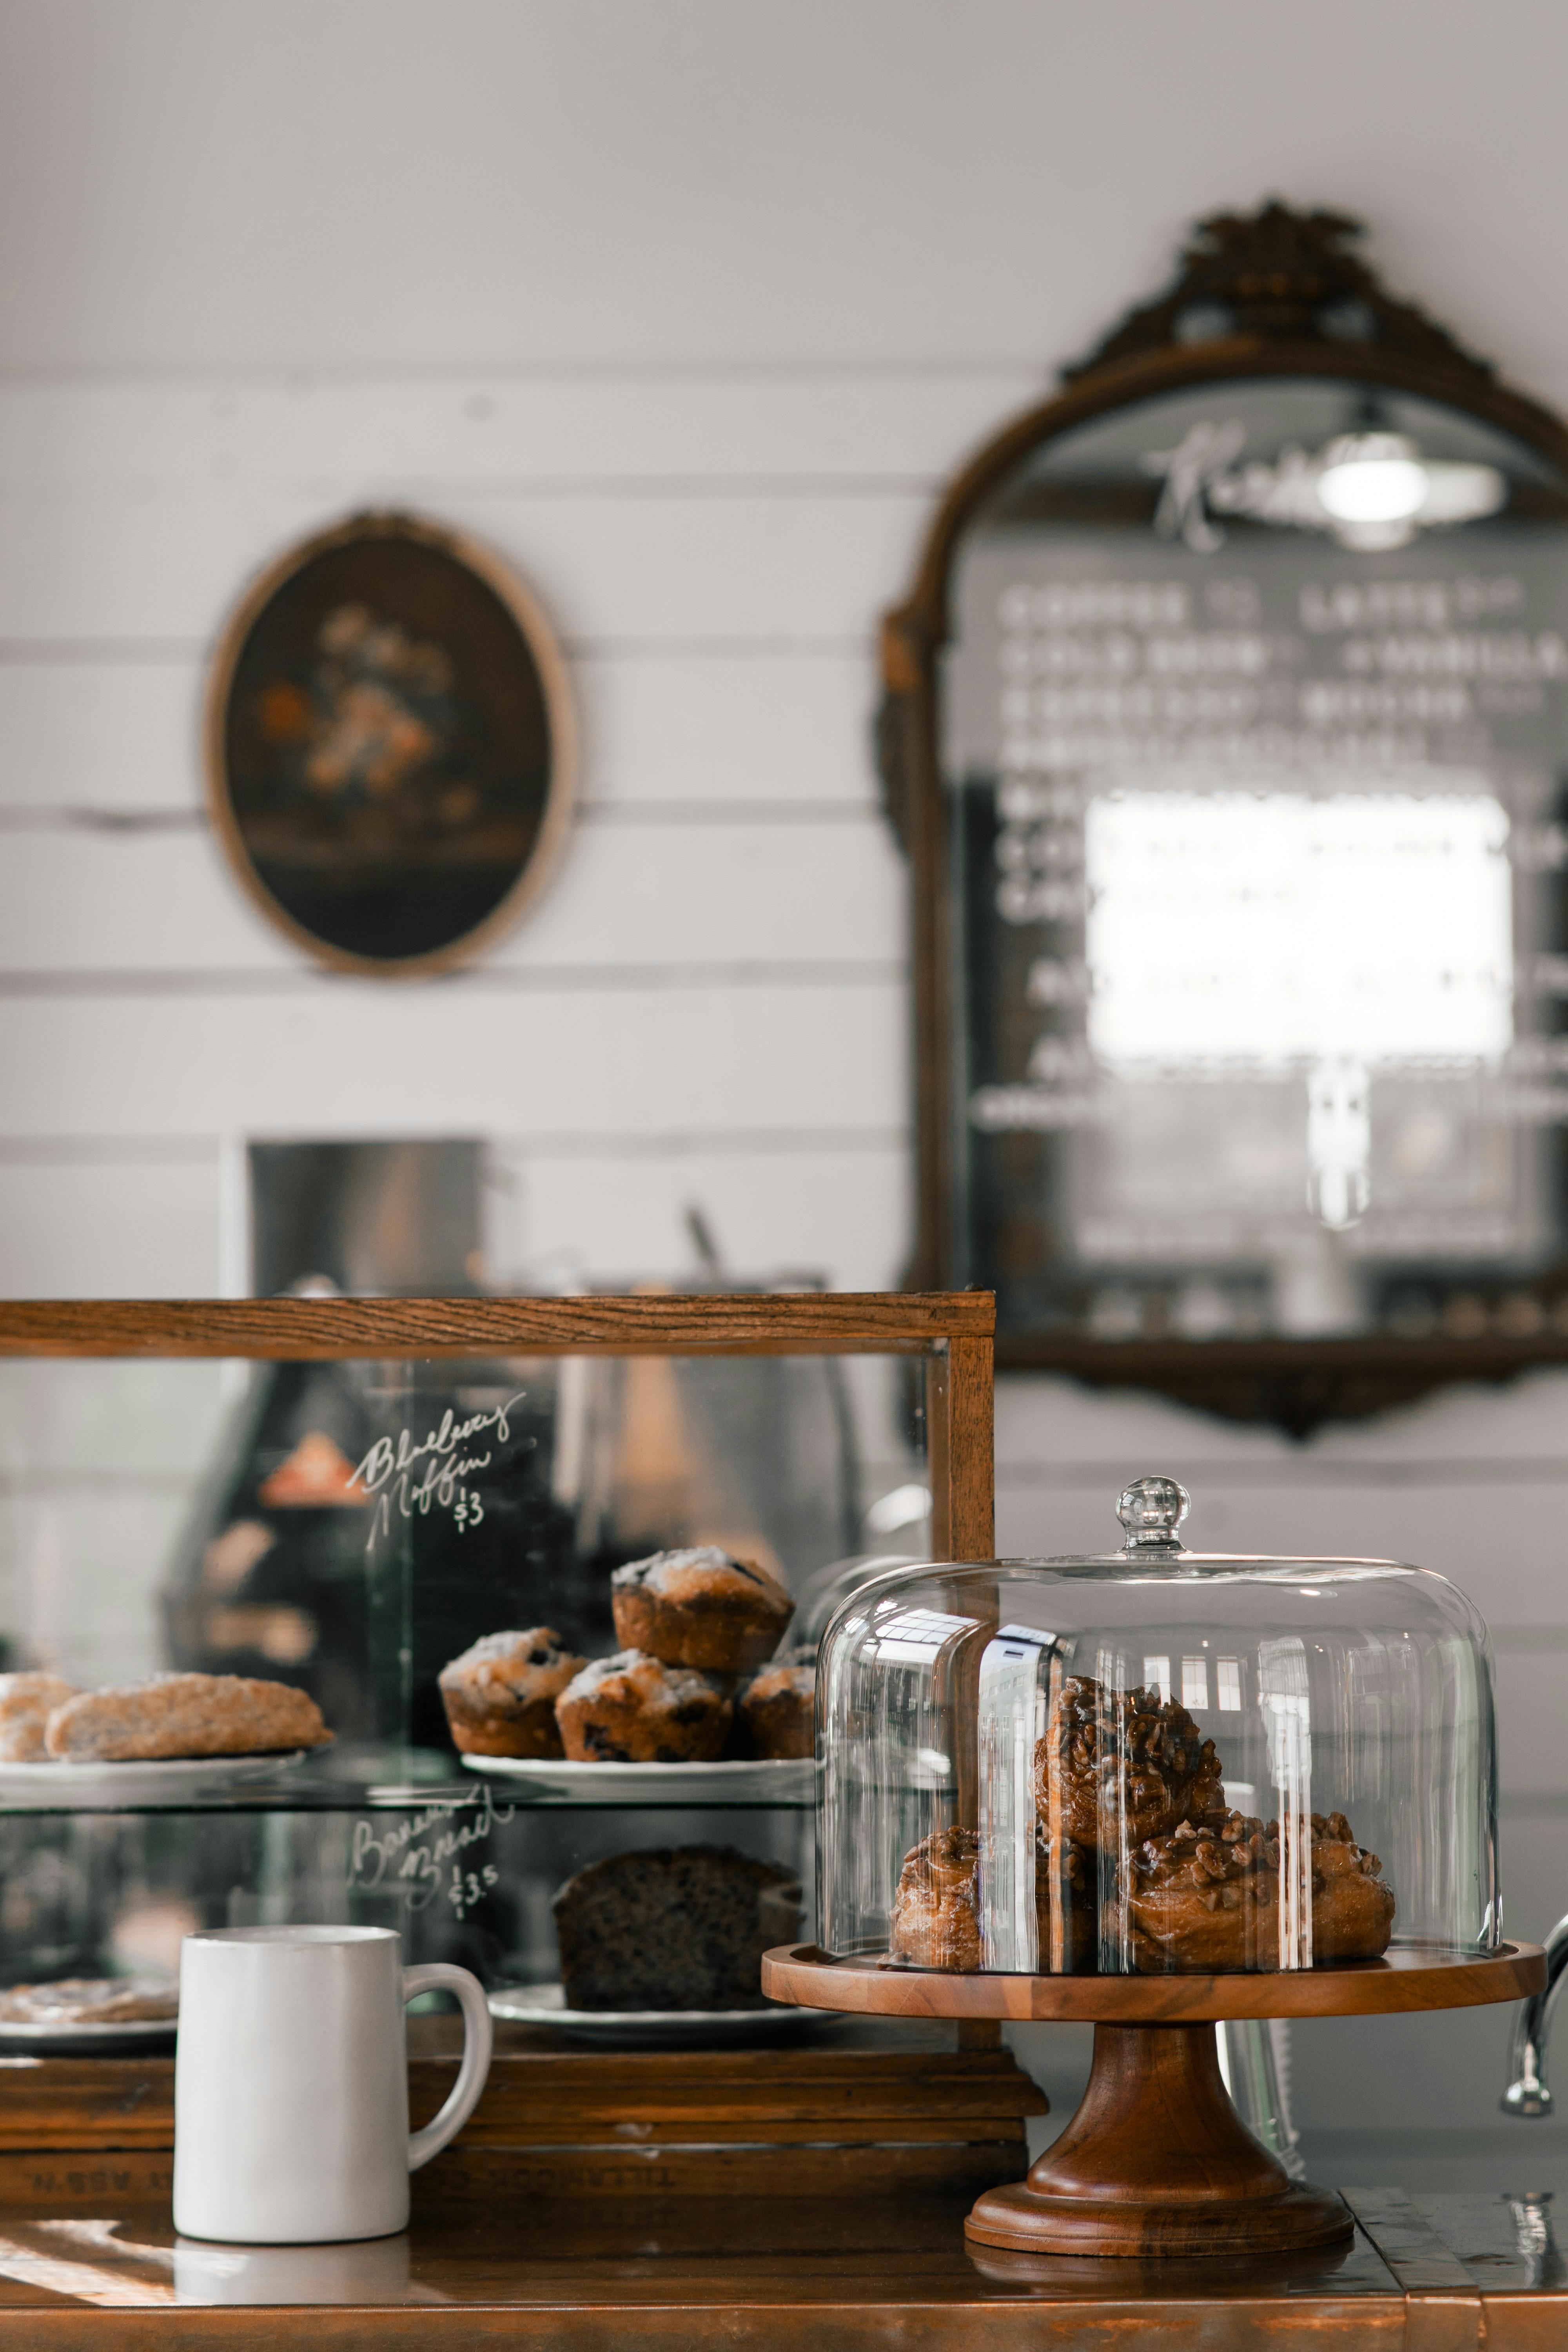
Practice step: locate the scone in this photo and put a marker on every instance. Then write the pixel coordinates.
(700, 1609)
(681, 1928)
(186, 1715)
(775, 1713)
(26, 1702)
(634, 1709)
(500, 1694)
(92, 2000)
(1208, 1896)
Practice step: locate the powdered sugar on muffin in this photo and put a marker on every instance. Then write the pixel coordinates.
(634, 1709)
(776, 1714)
(500, 1694)
(701, 1606)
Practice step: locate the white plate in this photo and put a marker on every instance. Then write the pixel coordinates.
(113, 2034)
(666, 2028)
(169, 1775)
(771, 1780)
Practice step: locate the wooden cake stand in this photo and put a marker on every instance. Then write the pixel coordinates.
(1156, 2160)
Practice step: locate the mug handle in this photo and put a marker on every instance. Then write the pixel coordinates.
(478, 2037)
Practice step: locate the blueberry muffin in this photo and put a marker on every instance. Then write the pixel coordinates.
(500, 1694)
(700, 1609)
(775, 1713)
(634, 1709)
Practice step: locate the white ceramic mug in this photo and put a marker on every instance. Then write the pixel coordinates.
(368, 2270)
(291, 2082)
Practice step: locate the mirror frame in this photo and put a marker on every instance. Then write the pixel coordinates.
(1274, 293)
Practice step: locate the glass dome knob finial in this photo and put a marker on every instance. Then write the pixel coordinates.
(1151, 1510)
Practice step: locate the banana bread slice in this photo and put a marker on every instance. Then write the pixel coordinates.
(680, 1928)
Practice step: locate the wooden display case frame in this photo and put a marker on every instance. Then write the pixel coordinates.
(74, 2128)
(953, 1330)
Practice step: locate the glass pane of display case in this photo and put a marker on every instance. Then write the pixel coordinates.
(347, 1529)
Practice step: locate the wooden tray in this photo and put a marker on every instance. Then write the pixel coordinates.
(1414, 1976)
(876, 2108)
(1156, 2161)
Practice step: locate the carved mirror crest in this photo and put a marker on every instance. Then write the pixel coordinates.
(1226, 729)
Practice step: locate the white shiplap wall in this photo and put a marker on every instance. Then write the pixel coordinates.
(688, 309)
(709, 1004)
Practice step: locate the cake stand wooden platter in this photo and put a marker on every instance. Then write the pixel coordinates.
(1156, 2160)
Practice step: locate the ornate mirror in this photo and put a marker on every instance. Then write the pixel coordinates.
(1227, 728)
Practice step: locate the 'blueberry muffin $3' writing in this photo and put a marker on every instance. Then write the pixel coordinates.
(634, 1709)
(1122, 1760)
(500, 1694)
(699, 1608)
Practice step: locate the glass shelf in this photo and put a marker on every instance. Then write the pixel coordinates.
(428, 1782)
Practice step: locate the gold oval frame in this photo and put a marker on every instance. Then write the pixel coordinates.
(494, 573)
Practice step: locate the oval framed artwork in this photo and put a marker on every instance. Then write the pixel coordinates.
(391, 746)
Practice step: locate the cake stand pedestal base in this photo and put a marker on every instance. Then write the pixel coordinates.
(1156, 2161)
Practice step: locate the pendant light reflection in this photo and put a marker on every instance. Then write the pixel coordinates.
(1378, 491)
(1370, 489)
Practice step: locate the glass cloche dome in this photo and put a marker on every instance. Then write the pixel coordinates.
(1154, 1761)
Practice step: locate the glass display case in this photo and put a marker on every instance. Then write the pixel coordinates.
(1157, 1760)
(339, 1498)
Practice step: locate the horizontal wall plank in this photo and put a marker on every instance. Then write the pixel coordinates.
(203, 432)
(733, 730)
(110, 1231)
(1054, 1435)
(112, 1228)
(150, 564)
(166, 900)
(349, 1058)
(103, 1424)
(1486, 1539)
(113, 736)
(595, 1217)
(1532, 1726)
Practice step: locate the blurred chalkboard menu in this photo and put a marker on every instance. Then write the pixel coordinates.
(1254, 733)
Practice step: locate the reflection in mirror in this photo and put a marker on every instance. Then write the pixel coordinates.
(1255, 726)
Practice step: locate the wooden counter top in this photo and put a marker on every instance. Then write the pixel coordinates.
(1427, 2274)
(801, 2200)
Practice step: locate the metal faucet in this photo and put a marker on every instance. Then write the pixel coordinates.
(1527, 2094)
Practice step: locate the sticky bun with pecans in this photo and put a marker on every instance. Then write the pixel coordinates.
(1207, 1897)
